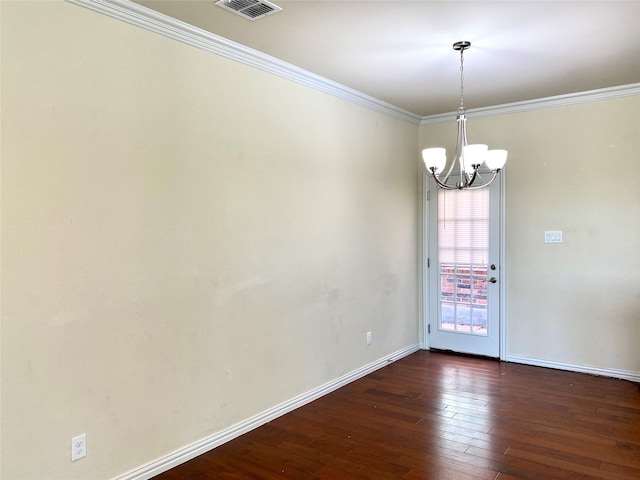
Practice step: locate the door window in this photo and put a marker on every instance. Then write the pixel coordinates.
(463, 251)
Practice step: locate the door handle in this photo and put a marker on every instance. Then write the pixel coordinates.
(493, 279)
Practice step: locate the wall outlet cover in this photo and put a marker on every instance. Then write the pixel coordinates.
(78, 447)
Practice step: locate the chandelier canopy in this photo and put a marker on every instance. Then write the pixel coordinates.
(467, 158)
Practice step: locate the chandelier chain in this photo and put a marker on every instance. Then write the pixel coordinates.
(462, 79)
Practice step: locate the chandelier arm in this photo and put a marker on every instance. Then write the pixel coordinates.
(453, 162)
(444, 186)
(473, 177)
(485, 184)
(460, 143)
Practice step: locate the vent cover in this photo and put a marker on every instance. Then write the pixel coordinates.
(250, 9)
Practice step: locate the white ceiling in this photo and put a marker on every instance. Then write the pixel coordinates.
(401, 51)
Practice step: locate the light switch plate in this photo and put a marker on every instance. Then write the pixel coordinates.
(553, 236)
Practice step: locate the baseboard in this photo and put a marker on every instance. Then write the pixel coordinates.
(191, 451)
(603, 372)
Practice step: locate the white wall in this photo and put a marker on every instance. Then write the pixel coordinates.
(570, 168)
(186, 241)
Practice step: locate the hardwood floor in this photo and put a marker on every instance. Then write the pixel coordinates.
(445, 417)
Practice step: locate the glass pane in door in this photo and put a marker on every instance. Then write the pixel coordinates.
(463, 252)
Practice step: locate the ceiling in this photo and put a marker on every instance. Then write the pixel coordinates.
(401, 51)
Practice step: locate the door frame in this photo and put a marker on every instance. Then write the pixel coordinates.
(502, 272)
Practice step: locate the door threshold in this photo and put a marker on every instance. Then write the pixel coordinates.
(463, 354)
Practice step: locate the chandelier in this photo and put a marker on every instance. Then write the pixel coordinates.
(468, 158)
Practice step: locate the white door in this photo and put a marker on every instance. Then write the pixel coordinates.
(464, 269)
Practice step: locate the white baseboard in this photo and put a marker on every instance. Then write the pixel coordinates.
(604, 372)
(191, 451)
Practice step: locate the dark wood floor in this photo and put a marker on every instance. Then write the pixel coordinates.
(441, 416)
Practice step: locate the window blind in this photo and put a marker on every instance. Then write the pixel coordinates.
(463, 226)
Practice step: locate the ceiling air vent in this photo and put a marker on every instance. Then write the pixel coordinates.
(250, 9)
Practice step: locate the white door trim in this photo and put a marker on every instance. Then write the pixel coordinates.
(502, 275)
(425, 258)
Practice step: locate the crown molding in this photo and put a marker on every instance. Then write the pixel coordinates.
(540, 103)
(151, 20)
(148, 19)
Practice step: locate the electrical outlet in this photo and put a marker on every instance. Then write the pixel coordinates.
(78, 447)
(369, 338)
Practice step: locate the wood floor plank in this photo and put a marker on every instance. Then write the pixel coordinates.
(566, 444)
(444, 417)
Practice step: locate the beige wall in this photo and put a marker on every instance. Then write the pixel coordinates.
(571, 168)
(186, 241)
